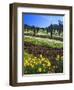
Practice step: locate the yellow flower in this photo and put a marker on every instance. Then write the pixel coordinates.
(49, 64)
(32, 65)
(43, 59)
(40, 62)
(39, 69)
(26, 63)
(58, 57)
(35, 57)
(44, 65)
(40, 55)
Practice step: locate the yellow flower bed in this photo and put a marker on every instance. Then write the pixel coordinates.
(41, 64)
(34, 64)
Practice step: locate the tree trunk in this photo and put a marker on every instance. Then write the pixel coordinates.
(47, 31)
(37, 30)
(34, 32)
(59, 32)
(51, 33)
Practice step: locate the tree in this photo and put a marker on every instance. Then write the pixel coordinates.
(37, 28)
(27, 27)
(60, 26)
(47, 29)
(50, 29)
(55, 27)
(34, 30)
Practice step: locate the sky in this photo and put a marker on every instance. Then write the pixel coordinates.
(41, 20)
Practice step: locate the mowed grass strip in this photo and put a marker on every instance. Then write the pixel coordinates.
(44, 42)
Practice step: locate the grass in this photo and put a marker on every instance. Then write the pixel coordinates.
(44, 42)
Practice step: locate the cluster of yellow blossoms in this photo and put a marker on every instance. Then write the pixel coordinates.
(36, 64)
(41, 64)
